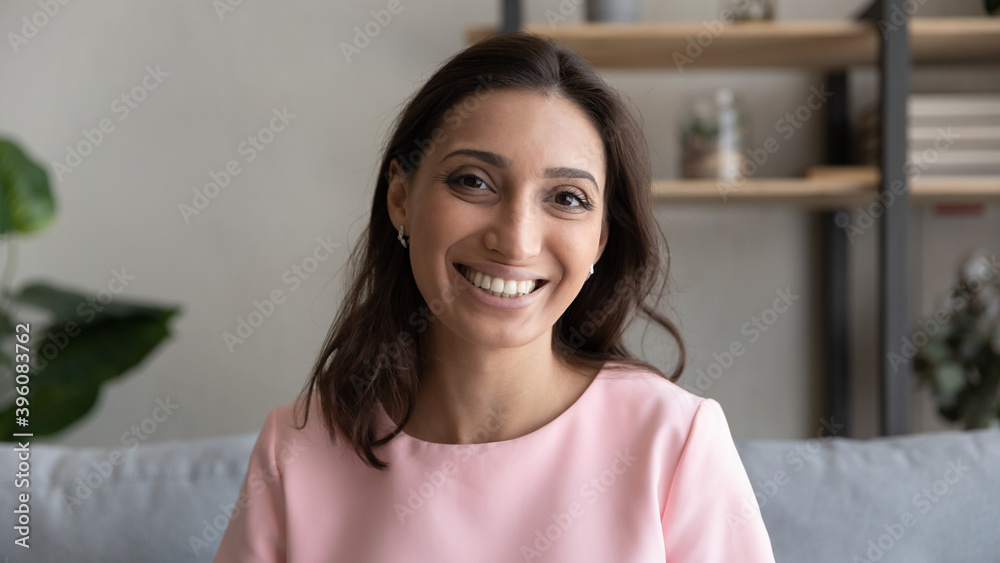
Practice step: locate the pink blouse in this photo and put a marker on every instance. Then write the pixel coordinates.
(636, 470)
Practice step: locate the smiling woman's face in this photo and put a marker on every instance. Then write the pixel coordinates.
(514, 191)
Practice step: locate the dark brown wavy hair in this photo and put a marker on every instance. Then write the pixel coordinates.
(372, 351)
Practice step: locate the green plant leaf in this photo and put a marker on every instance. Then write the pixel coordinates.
(949, 381)
(67, 305)
(993, 7)
(980, 411)
(6, 323)
(68, 375)
(26, 202)
(6, 346)
(6, 365)
(935, 351)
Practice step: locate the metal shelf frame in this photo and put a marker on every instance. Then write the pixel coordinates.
(895, 61)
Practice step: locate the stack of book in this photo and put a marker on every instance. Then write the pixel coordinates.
(949, 135)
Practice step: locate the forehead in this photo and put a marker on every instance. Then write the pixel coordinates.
(532, 130)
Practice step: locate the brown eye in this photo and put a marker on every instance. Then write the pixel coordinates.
(571, 196)
(470, 181)
(566, 196)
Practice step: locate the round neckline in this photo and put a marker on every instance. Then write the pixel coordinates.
(541, 430)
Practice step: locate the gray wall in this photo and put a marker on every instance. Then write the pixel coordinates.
(222, 77)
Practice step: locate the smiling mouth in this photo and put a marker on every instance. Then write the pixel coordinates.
(507, 288)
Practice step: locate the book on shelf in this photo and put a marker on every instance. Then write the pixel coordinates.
(948, 135)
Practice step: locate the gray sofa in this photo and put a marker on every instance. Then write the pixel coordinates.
(928, 497)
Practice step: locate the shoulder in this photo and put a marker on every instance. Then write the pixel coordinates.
(289, 430)
(640, 386)
(645, 400)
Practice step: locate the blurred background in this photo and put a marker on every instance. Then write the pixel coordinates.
(261, 97)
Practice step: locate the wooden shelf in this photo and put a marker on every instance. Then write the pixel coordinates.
(800, 192)
(955, 40)
(828, 187)
(813, 44)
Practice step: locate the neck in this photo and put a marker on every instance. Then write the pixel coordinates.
(472, 394)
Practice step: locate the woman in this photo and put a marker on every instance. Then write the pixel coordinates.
(474, 400)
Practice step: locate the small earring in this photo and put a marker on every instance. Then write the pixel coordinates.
(591, 269)
(400, 236)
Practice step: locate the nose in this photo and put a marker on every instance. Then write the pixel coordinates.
(515, 230)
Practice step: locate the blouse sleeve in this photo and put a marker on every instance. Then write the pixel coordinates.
(711, 512)
(256, 529)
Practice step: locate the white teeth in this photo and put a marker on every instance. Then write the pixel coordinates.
(497, 286)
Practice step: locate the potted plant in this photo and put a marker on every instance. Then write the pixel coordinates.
(51, 372)
(960, 361)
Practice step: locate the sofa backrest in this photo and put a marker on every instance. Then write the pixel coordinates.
(165, 502)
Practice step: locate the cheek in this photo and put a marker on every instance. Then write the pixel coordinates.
(575, 254)
(436, 232)
(427, 261)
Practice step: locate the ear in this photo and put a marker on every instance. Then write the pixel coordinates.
(397, 198)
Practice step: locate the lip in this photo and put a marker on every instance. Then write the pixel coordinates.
(490, 300)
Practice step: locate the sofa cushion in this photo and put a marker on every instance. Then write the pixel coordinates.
(924, 497)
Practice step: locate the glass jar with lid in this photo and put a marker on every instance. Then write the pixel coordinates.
(714, 134)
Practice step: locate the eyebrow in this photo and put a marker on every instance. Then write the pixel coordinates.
(501, 161)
